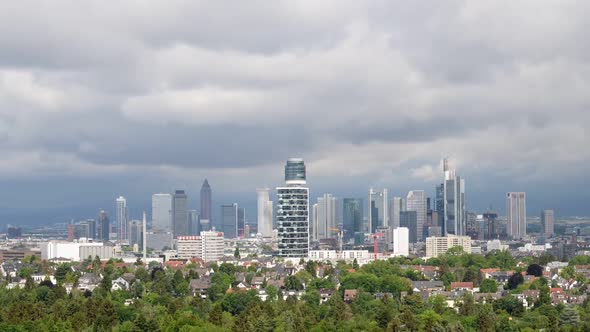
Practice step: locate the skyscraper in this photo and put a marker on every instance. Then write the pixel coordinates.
(326, 217)
(395, 209)
(548, 221)
(206, 199)
(136, 233)
(180, 214)
(104, 225)
(454, 217)
(416, 201)
(193, 222)
(264, 213)
(241, 221)
(162, 212)
(122, 216)
(516, 214)
(229, 220)
(493, 229)
(439, 204)
(293, 212)
(409, 220)
(378, 210)
(352, 216)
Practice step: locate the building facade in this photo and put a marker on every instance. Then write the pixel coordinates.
(516, 214)
(454, 217)
(548, 222)
(162, 212)
(229, 220)
(265, 212)
(122, 218)
(326, 223)
(206, 196)
(416, 201)
(352, 218)
(180, 213)
(208, 246)
(401, 241)
(378, 210)
(436, 246)
(409, 220)
(293, 212)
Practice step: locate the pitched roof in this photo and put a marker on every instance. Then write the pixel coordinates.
(461, 285)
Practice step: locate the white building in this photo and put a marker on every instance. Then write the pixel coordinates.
(122, 217)
(436, 246)
(416, 201)
(264, 213)
(162, 212)
(401, 241)
(516, 214)
(496, 245)
(75, 251)
(293, 212)
(362, 256)
(208, 246)
(325, 217)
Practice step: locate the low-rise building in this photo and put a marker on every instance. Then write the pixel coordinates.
(436, 246)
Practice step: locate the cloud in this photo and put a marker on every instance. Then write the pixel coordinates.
(375, 93)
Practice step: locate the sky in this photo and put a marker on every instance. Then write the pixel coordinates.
(99, 100)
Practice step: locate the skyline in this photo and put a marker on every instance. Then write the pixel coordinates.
(97, 104)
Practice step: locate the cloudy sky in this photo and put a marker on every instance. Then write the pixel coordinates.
(99, 100)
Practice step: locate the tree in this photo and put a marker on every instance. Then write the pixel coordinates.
(569, 316)
(515, 280)
(535, 270)
(237, 253)
(485, 320)
(61, 272)
(216, 314)
(488, 286)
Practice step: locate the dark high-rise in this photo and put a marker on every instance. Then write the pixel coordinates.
(229, 220)
(409, 219)
(205, 213)
(352, 216)
(104, 225)
(180, 214)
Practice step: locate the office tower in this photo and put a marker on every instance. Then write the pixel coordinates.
(91, 228)
(395, 209)
(454, 202)
(548, 221)
(471, 225)
(293, 212)
(409, 220)
(490, 219)
(325, 217)
(136, 233)
(516, 214)
(314, 223)
(378, 210)
(229, 220)
(104, 225)
(436, 246)
(352, 217)
(122, 216)
(241, 221)
(162, 212)
(144, 222)
(180, 214)
(264, 213)
(416, 201)
(193, 222)
(401, 241)
(206, 199)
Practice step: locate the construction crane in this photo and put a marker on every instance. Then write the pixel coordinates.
(375, 244)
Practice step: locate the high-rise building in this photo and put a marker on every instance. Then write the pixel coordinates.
(516, 214)
(206, 199)
(401, 240)
(436, 246)
(326, 224)
(241, 221)
(352, 217)
(180, 214)
(548, 221)
(416, 201)
(394, 211)
(409, 220)
(454, 217)
(229, 220)
(293, 212)
(193, 222)
(378, 210)
(122, 218)
(265, 209)
(104, 225)
(490, 219)
(162, 212)
(471, 225)
(136, 233)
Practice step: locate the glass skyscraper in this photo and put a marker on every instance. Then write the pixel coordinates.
(180, 213)
(352, 216)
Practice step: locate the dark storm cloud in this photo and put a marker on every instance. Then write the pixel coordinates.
(376, 92)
